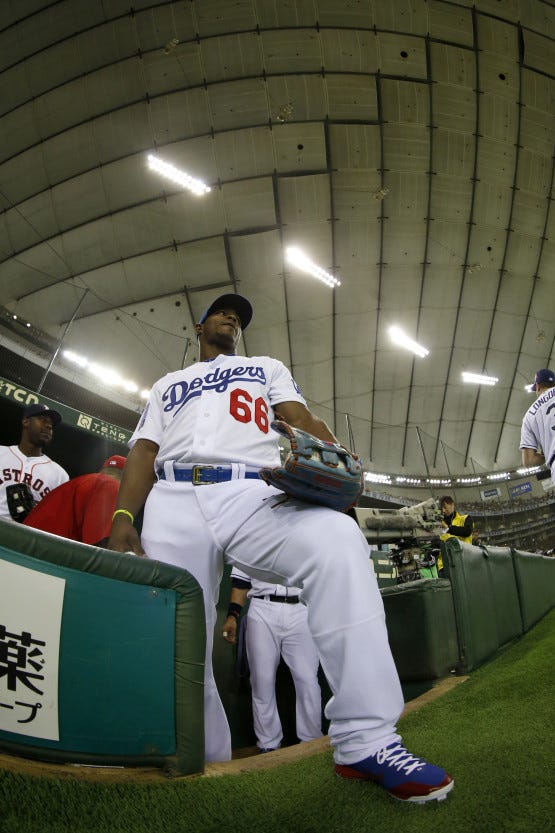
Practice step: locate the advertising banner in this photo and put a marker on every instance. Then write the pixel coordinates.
(23, 396)
(29, 651)
(521, 489)
(490, 494)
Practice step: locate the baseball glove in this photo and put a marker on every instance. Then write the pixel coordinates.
(20, 500)
(316, 471)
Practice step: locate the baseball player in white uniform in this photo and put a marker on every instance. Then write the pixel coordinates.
(26, 463)
(537, 437)
(277, 626)
(194, 458)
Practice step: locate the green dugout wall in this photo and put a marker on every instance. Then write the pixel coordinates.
(498, 594)
(101, 655)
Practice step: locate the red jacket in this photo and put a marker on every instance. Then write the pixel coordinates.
(80, 509)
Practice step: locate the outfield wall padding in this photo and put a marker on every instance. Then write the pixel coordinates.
(504, 593)
(131, 656)
(473, 602)
(421, 627)
(535, 578)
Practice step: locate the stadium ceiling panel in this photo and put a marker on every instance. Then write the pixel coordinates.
(407, 148)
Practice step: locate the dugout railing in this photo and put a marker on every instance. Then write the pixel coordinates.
(101, 655)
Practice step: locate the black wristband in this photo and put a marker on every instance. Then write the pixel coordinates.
(234, 609)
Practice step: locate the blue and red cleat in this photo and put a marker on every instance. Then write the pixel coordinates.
(403, 775)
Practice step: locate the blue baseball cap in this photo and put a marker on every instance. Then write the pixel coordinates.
(40, 409)
(543, 377)
(237, 303)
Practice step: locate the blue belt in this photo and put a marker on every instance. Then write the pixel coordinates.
(205, 475)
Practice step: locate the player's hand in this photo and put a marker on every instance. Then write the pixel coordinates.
(124, 537)
(229, 630)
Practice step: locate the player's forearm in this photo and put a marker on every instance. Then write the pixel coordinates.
(300, 417)
(138, 476)
(238, 596)
(531, 457)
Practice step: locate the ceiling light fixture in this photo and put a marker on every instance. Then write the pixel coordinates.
(175, 175)
(479, 379)
(298, 258)
(104, 374)
(381, 193)
(170, 46)
(285, 112)
(75, 358)
(400, 338)
(373, 477)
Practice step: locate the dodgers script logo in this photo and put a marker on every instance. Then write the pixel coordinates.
(178, 394)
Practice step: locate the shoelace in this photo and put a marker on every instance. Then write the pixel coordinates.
(398, 757)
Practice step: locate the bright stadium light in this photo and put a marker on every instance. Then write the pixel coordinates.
(399, 337)
(175, 175)
(298, 258)
(479, 379)
(106, 375)
(374, 477)
(75, 358)
(529, 470)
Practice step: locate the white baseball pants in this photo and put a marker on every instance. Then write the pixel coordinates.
(293, 543)
(276, 629)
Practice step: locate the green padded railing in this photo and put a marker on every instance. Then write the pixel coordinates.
(131, 657)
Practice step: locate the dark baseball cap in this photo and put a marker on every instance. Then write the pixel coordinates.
(543, 377)
(237, 303)
(39, 409)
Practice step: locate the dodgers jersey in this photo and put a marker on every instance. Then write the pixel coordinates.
(218, 411)
(538, 427)
(41, 474)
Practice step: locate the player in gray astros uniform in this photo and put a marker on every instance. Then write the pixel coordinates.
(194, 461)
(537, 437)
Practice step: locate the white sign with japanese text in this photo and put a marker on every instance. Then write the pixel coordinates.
(30, 621)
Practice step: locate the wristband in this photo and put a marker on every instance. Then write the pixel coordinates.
(234, 610)
(124, 512)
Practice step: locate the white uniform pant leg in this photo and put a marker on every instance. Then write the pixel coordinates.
(325, 553)
(263, 651)
(175, 532)
(299, 652)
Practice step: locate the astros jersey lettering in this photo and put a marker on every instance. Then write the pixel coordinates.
(41, 474)
(538, 428)
(218, 411)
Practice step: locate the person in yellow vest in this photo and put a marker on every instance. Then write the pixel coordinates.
(455, 525)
